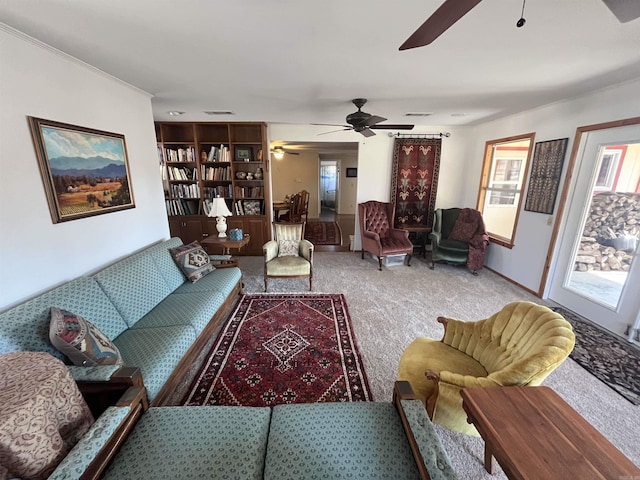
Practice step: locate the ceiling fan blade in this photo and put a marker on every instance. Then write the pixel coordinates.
(624, 10)
(289, 152)
(392, 126)
(331, 125)
(367, 132)
(446, 15)
(334, 131)
(373, 119)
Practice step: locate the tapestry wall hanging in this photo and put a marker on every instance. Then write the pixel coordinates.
(414, 182)
(85, 172)
(544, 180)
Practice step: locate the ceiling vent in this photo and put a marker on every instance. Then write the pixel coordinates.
(219, 112)
(418, 114)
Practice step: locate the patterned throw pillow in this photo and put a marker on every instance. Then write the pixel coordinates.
(288, 248)
(193, 260)
(81, 341)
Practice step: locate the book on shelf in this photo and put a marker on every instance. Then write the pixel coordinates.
(218, 154)
(181, 154)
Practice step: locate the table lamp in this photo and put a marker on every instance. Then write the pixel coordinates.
(219, 210)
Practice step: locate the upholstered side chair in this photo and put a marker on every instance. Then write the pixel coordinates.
(378, 235)
(289, 255)
(520, 345)
(459, 237)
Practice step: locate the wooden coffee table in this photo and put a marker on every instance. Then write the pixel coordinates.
(534, 434)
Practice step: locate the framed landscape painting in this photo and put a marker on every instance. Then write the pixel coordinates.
(85, 172)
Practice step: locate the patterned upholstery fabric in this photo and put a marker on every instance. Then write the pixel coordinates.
(223, 281)
(80, 457)
(376, 218)
(43, 414)
(433, 453)
(288, 248)
(156, 351)
(195, 442)
(165, 263)
(26, 326)
(195, 309)
(338, 440)
(193, 260)
(135, 285)
(81, 341)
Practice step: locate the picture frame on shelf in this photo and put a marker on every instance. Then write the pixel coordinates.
(243, 153)
(85, 172)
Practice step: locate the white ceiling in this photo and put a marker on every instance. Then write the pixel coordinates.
(296, 61)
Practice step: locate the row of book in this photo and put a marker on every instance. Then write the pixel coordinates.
(249, 192)
(182, 173)
(219, 154)
(185, 190)
(182, 207)
(216, 173)
(181, 154)
(223, 191)
(249, 207)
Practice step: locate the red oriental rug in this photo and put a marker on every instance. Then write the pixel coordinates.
(283, 348)
(323, 233)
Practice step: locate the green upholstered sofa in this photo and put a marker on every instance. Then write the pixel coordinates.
(372, 440)
(158, 320)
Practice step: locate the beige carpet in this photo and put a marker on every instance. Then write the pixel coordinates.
(390, 308)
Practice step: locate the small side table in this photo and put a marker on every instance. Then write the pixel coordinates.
(227, 244)
(419, 239)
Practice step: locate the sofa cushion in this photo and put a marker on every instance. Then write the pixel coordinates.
(193, 260)
(135, 285)
(165, 263)
(338, 440)
(288, 266)
(195, 442)
(81, 341)
(221, 280)
(194, 308)
(26, 326)
(156, 351)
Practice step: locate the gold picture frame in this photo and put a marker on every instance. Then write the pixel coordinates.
(85, 172)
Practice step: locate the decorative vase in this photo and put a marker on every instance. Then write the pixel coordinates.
(235, 234)
(258, 174)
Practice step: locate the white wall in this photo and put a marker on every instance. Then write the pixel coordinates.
(35, 254)
(524, 263)
(375, 155)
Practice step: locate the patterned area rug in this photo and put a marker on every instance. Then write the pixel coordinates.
(609, 359)
(323, 233)
(283, 348)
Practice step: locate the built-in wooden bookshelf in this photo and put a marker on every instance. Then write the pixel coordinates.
(200, 161)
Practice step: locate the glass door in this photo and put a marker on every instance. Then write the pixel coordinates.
(597, 274)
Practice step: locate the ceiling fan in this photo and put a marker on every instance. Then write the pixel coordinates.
(453, 10)
(278, 152)
(364, 123)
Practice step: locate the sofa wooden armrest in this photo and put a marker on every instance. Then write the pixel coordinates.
(100, 394)
(136, 399)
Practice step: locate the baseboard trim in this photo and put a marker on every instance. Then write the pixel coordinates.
(514, 282)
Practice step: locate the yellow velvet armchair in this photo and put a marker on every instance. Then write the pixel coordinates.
(519, 345)
(289, 255)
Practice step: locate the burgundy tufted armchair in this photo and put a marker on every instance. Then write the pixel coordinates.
(378, 235)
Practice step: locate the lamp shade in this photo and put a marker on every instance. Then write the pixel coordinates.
(219, 208)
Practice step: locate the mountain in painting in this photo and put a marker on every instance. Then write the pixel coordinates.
(111, 171)
(82, 163)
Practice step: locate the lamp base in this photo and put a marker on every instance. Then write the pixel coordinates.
(221, 226)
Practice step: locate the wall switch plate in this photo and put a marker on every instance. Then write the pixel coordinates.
(549, 220)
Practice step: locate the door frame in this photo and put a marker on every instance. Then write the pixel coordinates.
(544, 281)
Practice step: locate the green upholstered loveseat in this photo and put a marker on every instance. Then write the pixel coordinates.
(158, 320)
(372, 440)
